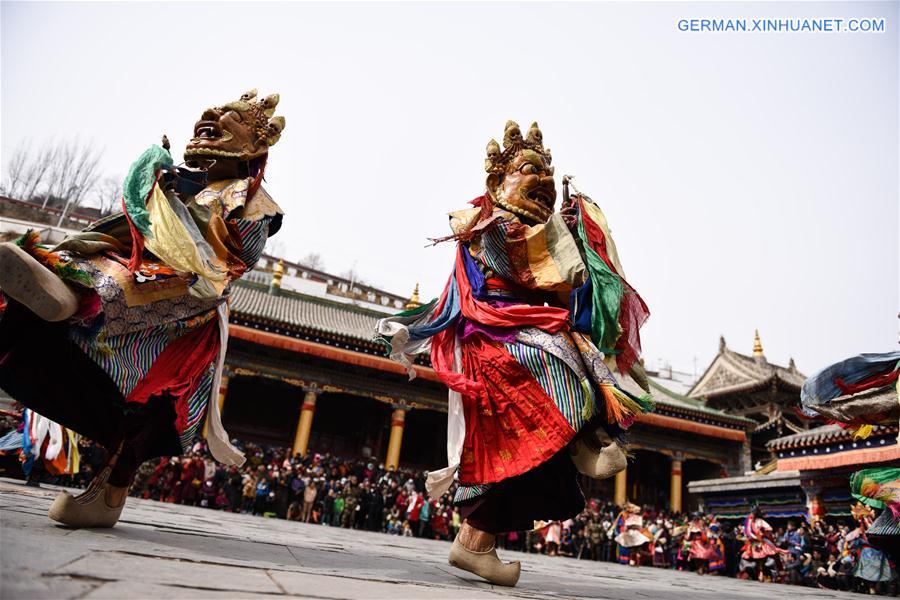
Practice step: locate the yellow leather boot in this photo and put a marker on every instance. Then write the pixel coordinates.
(92, 507)
(475, 551)
(597, 455)
(29, 282)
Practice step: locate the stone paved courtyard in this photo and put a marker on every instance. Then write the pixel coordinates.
(167, 551)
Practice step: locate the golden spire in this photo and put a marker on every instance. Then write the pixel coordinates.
(277, 274)
(413, 302)
(757, 345)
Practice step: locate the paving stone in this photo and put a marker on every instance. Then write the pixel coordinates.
(170, 551)
(324, 586)
(34, 585)
(114, 590)
(114, 566)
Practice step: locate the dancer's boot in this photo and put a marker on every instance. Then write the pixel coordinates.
(100, 505)
(475, 551)
(597, 455)
(26, 280)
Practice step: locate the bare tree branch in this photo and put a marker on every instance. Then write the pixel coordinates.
(108, 195)
(59, 172)
(36, 171)
(15, 170)
(313, 260)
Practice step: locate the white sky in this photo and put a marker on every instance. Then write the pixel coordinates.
(751, 180)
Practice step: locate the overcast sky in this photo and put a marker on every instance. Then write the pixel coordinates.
(751, 179)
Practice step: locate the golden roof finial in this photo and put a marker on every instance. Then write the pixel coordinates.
(413, 302)
(277, 274)
(757, 345)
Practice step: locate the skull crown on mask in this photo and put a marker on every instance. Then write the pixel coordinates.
(520, 176)
(243, 129)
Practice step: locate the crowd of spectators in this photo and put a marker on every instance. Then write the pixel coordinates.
(821, 555)
(321, 489)
(362, 494)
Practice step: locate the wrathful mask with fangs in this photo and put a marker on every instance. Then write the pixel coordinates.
(520, 178)
(242, 130)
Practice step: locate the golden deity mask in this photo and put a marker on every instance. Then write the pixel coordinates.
(520, 178)
(243, 129)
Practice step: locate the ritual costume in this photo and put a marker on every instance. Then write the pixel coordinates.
(859, 394)
(43, 446)
(119, 332)
(717, 562)
(759, 548)
(661, 541)
(533, 321)
(633, 540)
(879, 489)
(552, 534)
(871, 564)
(704, 549)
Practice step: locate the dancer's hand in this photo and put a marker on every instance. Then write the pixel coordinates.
(568, 210)
(569, 213)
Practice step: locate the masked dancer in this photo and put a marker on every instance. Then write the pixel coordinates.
(119, 332)
(533, 322)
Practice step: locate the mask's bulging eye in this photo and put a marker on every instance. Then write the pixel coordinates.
(528, 169)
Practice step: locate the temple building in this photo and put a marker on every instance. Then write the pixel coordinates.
(807, 476)
(752, 387)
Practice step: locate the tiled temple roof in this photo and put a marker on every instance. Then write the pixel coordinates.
(746, 483)
(300, 311)
(822, 435)
(683, 405)
(732, 372)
